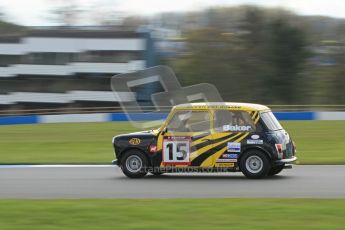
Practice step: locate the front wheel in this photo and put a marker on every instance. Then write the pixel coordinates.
(134, 164)
(254, 164)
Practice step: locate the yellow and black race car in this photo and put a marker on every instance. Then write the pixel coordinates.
(209, 137)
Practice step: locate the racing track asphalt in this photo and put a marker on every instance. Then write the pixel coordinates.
(108, 182)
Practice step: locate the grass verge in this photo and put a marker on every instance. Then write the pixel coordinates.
(318, 142)
(173, 214)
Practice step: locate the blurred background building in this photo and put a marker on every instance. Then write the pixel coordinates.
(70, 67)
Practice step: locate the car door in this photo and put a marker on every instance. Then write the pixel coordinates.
(186, 137)
(230, 128)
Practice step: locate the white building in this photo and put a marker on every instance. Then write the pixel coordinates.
(52, 68)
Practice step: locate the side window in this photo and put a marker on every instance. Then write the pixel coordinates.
(233, 121)
(189, 121)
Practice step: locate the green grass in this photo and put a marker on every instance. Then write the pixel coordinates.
(318, 142)
(173, 214)
(60, 143)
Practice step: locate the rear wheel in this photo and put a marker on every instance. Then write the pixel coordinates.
(254, 164)
(156, 173)
(276, 170)
(134, 164)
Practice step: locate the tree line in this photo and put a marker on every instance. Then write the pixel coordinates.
(265, 56)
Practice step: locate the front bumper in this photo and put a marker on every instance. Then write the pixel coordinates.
(283, 161)
(115, 162)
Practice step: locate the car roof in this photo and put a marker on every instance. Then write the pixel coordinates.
(223, 105)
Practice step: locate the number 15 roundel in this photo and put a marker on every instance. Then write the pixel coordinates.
(176, 150)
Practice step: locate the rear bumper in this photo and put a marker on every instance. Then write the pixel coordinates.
(115, 162)
(283, 161)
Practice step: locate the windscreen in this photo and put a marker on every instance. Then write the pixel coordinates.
(271, 121)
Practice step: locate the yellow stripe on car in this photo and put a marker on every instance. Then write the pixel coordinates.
(210, 159)
(199, 152)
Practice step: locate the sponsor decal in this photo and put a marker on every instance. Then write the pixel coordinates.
(176, 138)
(255, 137)
(234, 147)
(234, 128)
(220, 160)
(134, 141)
(255, 142)
(229, 156)
(229, 165)
(153, 148)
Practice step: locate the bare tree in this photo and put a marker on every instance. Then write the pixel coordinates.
(65, 12)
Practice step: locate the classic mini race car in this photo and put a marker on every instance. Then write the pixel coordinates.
(209, 137)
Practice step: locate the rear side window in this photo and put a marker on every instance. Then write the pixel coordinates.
(233, 121)
(270, 121)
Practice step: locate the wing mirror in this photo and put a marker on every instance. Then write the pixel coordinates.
(165, 130)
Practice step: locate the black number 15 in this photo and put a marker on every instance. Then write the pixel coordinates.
(170, 146)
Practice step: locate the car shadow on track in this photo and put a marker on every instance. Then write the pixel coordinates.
(167, 177)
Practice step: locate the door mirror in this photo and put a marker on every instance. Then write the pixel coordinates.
(165, 130)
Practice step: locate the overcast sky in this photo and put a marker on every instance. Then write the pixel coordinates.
(36, 12)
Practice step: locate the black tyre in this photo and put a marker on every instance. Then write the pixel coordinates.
(134, 164)
(254, 164)
(156, 173)
(276, 170)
